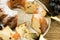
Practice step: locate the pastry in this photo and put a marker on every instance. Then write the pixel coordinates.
(28, 6)
(36, 23)
(31, 8)
(44, 24)
(6, 33)
(4, 37)
(28, 23)
(10, 4)
(39, 23)
(25, 32)
(15, 3)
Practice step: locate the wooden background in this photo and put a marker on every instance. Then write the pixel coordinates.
(54, 32)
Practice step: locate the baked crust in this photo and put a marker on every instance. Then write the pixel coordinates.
(41, 23)
(44, 24)
(16, 3)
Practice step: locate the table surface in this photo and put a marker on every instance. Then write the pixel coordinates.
(54, 31)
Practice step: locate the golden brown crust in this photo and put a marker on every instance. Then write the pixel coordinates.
(31, 8)
(35, 24)
(15, 3)
(1, 38)
(13, 23)
(10, 4)
(43, 23)
(15, 36)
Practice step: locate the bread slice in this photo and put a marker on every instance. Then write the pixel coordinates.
(6, 33)
(4, 37)
(31, 8)
(39, 23)
(36, 24)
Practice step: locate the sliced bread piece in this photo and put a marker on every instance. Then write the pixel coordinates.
(6, 33)
(36, 23)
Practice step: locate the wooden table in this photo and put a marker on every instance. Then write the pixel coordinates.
(54, 32)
